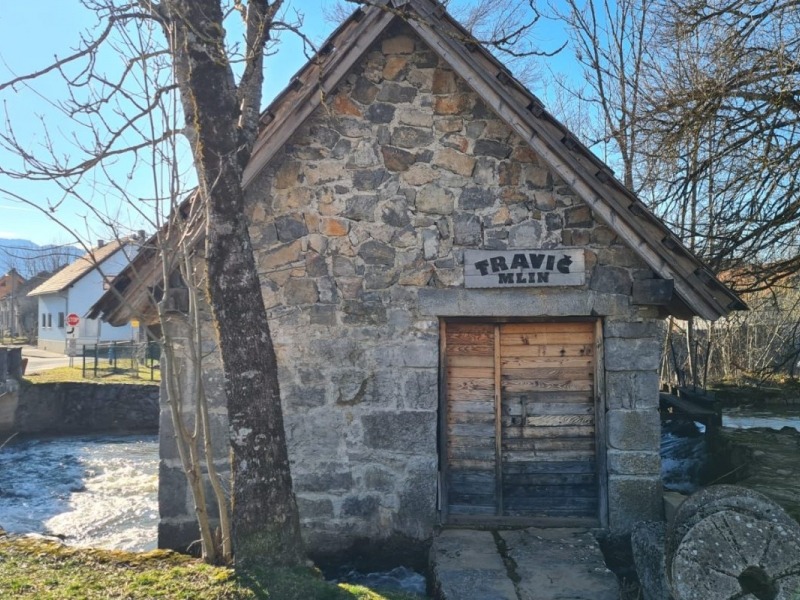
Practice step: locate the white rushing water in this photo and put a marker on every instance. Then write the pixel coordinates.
(96, 491)
(773, 418)
(683, 456)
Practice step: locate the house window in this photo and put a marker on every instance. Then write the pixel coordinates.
(49, 319)
(44, 320)
(61, 320)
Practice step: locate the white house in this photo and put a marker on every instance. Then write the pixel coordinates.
(74, 289)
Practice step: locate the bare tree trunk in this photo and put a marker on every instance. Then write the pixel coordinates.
(266, 526)
(185, 440)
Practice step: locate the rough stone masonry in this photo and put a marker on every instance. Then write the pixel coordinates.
(359, 225)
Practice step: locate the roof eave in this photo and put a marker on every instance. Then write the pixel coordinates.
(311, 84)
(694, 283)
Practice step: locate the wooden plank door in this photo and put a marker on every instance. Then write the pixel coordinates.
(520, 426)
(548, 420)
(471, 441)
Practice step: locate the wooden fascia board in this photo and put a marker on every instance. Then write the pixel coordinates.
(293, 112)
(115, 306)
(145, 272)
(570, 169)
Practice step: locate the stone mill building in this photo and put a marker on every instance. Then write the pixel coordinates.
(465, 302)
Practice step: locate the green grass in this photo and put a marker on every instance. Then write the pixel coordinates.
(45, 570)
(75, 375)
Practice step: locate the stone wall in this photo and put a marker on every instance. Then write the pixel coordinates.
(78, 408)
(177, 526)
(359, 226)
(10, 376)
(632, 359)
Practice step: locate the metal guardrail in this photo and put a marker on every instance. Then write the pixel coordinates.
(119, 357)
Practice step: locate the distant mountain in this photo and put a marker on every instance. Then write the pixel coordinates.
(29, 258)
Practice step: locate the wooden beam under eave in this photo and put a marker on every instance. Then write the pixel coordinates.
(653, 292)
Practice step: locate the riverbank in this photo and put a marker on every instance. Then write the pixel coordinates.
(786, 393)
(35, 568)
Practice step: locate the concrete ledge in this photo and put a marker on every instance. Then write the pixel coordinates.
(76, 408)
(528, 302)
(466, 565)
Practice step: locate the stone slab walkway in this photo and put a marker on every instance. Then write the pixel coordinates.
(522, 564)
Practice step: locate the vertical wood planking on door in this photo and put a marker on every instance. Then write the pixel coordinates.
(521, 425)
(498, 424)
(548, 434)
(470, 396)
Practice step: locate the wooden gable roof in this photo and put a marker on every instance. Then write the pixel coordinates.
(141, 282)
(697, 291)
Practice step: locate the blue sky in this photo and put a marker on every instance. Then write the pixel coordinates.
(31, 33)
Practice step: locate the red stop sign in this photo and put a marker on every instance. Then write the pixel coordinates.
(73, 320)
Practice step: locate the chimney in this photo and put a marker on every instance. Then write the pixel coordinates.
(141, 235)
(101, 243)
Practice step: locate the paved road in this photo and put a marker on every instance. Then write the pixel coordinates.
(41, 360)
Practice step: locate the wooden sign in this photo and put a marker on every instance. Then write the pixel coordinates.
(523, 268)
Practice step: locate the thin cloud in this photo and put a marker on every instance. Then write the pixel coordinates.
(17, 207)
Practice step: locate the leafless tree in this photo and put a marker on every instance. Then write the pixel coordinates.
(188, 60)
(610, 42)
(30, 260)
(723, 121)
(205, 58)
(698, 103)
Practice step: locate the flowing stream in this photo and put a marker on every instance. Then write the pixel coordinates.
(770, 429)
(102, 491)
(776, 417)
(91, 490)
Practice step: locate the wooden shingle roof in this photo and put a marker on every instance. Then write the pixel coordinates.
(697, 289)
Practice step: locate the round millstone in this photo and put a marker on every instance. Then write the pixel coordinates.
(729, 555)
(721, 498)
